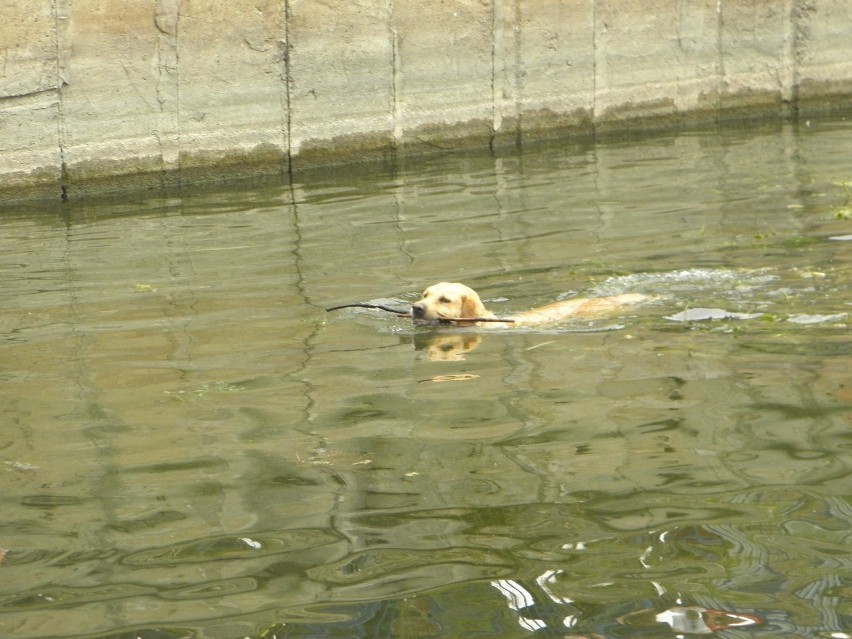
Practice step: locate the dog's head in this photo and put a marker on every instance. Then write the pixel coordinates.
(447, 301)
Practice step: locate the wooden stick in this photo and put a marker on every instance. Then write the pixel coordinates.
(401, 313)
(378, 306)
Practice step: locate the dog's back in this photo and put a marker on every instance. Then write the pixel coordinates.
(579, 307)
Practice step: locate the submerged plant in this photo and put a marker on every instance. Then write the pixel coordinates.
(844, 211)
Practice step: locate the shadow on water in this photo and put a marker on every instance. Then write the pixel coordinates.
(193, 448)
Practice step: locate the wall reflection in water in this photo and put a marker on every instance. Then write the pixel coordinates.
(192, 447)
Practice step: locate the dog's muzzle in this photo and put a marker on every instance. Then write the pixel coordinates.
(418, 314)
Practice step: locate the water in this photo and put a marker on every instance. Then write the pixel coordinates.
(192, 447)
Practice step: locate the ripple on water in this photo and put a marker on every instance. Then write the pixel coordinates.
(226, 547)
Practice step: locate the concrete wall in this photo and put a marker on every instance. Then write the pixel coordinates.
(161, 92)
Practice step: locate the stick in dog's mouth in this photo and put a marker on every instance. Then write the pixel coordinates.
(445, 321)
(439, 321)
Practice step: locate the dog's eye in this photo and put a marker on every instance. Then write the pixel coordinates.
(444, 300)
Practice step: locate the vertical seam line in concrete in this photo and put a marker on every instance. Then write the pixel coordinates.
(494, 103)
(60, 13)
(168, 133)
(789, 72)
(720, 52)
(518, 74)
(594, 66)
(396, 106)
(288, 123)
(177, 95)
(506, 74)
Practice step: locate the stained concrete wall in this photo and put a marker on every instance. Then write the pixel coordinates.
(99, 93)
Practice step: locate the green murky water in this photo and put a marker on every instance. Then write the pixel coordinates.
(190, 447)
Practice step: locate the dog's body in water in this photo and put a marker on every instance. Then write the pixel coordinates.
(455, 303)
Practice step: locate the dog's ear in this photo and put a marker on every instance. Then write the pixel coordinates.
(471, 305)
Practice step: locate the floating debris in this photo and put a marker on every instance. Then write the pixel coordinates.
(816, 319)
(465, 377)
(703, 314)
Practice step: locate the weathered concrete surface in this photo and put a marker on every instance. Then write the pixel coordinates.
(339, 70)
(106, 94)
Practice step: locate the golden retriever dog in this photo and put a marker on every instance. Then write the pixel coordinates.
(447, 302)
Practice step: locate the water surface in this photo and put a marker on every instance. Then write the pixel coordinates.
(192, 447)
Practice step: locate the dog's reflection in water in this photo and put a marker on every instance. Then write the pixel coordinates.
(446, 347)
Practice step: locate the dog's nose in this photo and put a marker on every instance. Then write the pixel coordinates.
(418, 309)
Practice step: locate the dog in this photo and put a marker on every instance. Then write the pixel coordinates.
(454, 303)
